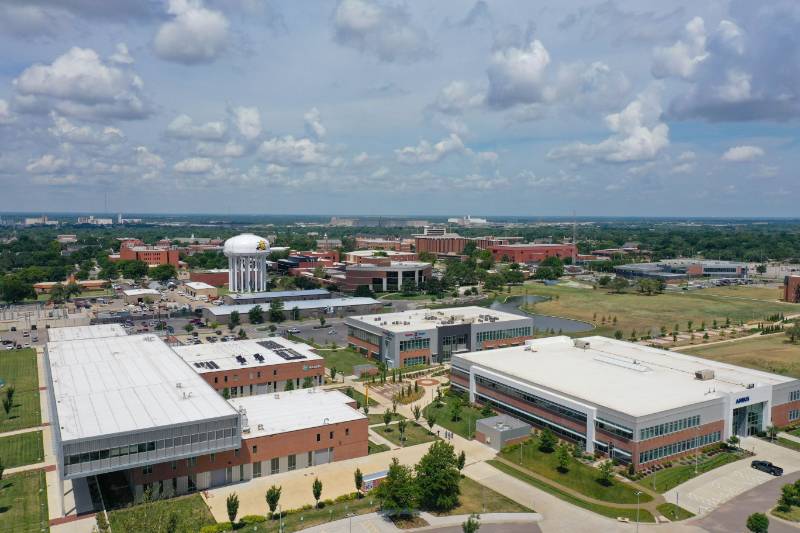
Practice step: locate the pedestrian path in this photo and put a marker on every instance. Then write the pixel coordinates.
(23, 430)
(789, 436)
(377, 523)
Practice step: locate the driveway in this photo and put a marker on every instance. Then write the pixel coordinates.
(707, 492)
(732, 515)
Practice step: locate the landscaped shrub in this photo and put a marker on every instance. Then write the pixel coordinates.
(217, 528)
(252, 519)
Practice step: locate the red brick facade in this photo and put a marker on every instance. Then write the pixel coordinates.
(532, 253)
(244, 376)
(373, 349)
(791, 289)
(780, 414)
(423, 352)
(217, 279)
(152, 255)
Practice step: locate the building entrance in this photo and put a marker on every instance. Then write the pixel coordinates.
(748, 420)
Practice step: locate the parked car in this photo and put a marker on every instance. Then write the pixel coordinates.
(293, 331)
(769, 468)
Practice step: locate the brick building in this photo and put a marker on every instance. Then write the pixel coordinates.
(791, 289)
(531, 253)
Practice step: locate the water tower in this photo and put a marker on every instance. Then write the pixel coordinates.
(247, 263)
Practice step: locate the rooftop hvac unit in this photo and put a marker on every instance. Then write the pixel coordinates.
(582, 344)
(751, 385)
(704, 374)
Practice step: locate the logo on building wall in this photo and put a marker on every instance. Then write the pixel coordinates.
(416, 334)
(262, 245)
(743, 399)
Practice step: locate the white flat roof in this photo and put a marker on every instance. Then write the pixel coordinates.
(223, 354)
(271, 414)
(370, 253)
(626, 377)
(299, 304)
(111, 385)
(197, 285)
(279, 294)
(432, 318)
(85, 332)
(140, 292)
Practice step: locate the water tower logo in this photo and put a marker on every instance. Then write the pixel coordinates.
(262, 245)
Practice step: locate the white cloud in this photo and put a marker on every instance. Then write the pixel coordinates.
(65, 130)
(121, 56)
(638, 134)
(195, 34)
(487, 157)
(183, 127)
(229, 149)
(313, 124)
(5, 113)
(78, 83)
(273, 169)
(290, 151)
(685, 55)
(682, 168)
(146, 158)
(248, 121)
(517, 75)
(426, 152)
(47, 164)
(458, 96)
(194, 165)
(742, 153)
(688, 155)
(384, 31)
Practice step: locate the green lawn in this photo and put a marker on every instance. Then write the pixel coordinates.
(787, 443)
(191, 512)
(18, 369)
(611, 512)
(673, 512)
(645, 314)
(21, 449)
(357, 396)
(476, 498)
(677, 474)
(792, 515)
(580, 477)
(773, 353)
(23, 502)
(465, 426)
(376, 448)
(377, 418)
(415, 434)
(344, 359)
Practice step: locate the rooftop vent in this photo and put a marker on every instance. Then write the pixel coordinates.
(704, 374)
(582, 344)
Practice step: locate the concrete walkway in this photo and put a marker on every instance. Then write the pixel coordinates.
(376, 523)
(788, 436)
(23, 430)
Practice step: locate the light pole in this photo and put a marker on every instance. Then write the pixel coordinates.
(280, 519)
(638, 493)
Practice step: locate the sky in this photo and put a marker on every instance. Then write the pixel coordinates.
(617, 108)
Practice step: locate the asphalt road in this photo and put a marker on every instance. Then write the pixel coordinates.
(732, 515)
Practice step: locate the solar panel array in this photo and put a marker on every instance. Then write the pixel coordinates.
(211, 365)
(282, 351)
(271, 345)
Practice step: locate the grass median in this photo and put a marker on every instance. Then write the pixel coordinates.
(21, 449)
(415, 434)
(608, 511)
(668, 478)
(673, 512)
(18, 369)
(23, 502)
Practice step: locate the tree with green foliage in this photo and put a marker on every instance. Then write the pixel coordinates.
(733, 441)
(547, 441)
(438, 478)
(398, 491)
(618, 335)
(232, 506)
(416, 411)
(462, 461)
(234, 319)
(618, 285)
(387, 418)
(606, 472)
(273, 496)
(188, 328)
(276, 311)
(316, 489)
(563, 458)
(133, 269)
(58, 293)
(430, 419)
(14, 290)
(308, 382)
(472, 525)
(162, 272)
(289, 385)
(401, 427)
(757, 523)
(358, 479)
(455, 410)
(364, 291)
(256, 314)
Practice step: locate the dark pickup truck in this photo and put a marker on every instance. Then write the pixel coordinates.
(769, 468)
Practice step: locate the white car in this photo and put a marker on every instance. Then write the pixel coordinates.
(293, 331)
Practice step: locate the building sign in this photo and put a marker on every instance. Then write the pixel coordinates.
(415, 334)
(743, 399)
(311, 367)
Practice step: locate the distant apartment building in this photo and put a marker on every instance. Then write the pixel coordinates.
(95, 221)
(40, 221)
(328, 244)
(532, 253)
(381, 243)
(377, 256)
(131, 250)
(66, 239)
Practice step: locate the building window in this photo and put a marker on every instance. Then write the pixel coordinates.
(310, 458)
(669, 427)
(318, 437)
(216, 380)
(174, 465)
(794, 395)
(191, 462)
(274, 466)
(346, 431)
(255, 449)
(414, 361)
(236, 452)
(147, 470)
(225, 379)
(678, 447)
(331, 435)
(794, 414)
(415, 344)
(213, 457)
(292, 462)
(257, 469)
(365, 336)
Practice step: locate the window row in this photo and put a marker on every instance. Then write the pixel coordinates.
(669, 427)
(414, 344)
(794, 395)
(144, 447)
(678, 447)
(365, 336)
(794, 414)
(500, 334)
(414, 361)
(541, 403)
(613, 429)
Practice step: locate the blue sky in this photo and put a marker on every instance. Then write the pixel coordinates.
(366, 107)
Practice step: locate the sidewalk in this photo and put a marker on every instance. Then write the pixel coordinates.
(788, 436)
(376, 523)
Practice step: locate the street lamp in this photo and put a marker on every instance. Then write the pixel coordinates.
(638, 493)
(280, 519)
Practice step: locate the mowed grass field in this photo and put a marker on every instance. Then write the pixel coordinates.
(773, 353)
(343, 359)
(23, 503)
(22, 449)
(646, 314)
(18, 369)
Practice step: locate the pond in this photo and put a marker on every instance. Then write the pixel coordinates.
(540, 322)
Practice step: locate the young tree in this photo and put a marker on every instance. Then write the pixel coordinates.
(606, 471)
(416, 411)
(234, 319)
(547, 441)
(618, 285)
(289, 385)
(438, 477)
(188, 328)
(430, 419)
(232, 504)
(333, 373)
(757, 523)
(256, 315)
(7, 405)
(401, 426)
(472, 525)
(462, 460)
(316, 489)
(273, 496)
(358, 478)
(398, 492)
(322, 321)
(733, 441)
(772, 431)
(276, 311)
(307, 382)
(562, 455)
(387, 417)
(455, 410)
